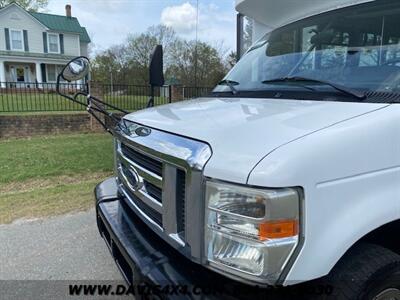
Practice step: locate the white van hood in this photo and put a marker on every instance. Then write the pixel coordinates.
(242, 131)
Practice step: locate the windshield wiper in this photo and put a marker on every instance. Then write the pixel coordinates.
(290, 80)
(345, 90)
(231, 84)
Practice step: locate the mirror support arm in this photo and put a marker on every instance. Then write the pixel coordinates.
(92, 105)
(109, 105)
(150, 102)
(73, 99)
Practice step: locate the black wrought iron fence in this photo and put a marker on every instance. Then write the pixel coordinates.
(34, 97)
(130, 97)
(189, 92)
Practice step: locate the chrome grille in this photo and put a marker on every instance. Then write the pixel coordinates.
(151, 213)
(142, 160)
(153, 191)
(160, 176)
(180, 200)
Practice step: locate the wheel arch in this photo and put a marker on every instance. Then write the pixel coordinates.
(384, 236)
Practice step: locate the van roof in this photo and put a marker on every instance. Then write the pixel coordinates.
(274, 13)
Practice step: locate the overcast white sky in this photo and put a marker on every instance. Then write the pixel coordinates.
(110, 21)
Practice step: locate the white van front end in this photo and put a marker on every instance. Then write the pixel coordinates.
(288, 172)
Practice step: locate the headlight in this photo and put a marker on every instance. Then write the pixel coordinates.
(251, 232)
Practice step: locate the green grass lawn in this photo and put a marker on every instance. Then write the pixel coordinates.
(21, 102)
(51, 102)
(44, 176)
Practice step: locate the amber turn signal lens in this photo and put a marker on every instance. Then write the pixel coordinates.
(278, 229)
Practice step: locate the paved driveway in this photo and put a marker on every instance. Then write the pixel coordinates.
(59, 248)
(66, 248)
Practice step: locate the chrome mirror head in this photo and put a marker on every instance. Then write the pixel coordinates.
(76, 69)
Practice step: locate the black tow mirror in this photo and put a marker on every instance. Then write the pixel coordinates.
(156, 72)
(156, 67)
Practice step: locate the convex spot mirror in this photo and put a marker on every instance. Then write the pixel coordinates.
(76, 69)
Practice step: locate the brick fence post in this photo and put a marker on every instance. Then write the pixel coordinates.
(97, 90)
(176, 91)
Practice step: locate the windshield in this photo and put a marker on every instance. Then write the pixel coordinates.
(357, 48)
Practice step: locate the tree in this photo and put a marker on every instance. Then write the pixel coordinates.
(109, 62)
(231, 60)
(139, 48)
(210, 66)
(129, 63)
(31, 5)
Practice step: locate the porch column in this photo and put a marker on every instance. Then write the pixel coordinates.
(38, 72)
(2, 74)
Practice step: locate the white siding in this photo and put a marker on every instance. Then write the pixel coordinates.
(2, 37)
(71, 44)
(84, 49)
(14, 18)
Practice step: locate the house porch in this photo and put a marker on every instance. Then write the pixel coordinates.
(18, 73)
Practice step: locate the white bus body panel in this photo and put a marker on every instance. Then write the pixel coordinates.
(350, 173)
(278, 13)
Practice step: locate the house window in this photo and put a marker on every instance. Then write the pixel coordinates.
(53, 71)
(17, 42)
(54, 41)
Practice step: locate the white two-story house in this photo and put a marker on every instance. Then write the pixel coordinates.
(34, 46)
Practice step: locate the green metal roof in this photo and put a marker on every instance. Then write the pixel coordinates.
(63, 24)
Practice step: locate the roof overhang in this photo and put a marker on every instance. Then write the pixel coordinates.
(13, 4)
(33, 57)
(278, 13)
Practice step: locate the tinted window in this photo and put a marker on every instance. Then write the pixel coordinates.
(358, 47)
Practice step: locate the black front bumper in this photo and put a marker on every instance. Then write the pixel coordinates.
(143, 257)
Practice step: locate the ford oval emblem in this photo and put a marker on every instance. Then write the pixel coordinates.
(135, 180)
(142, 131)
